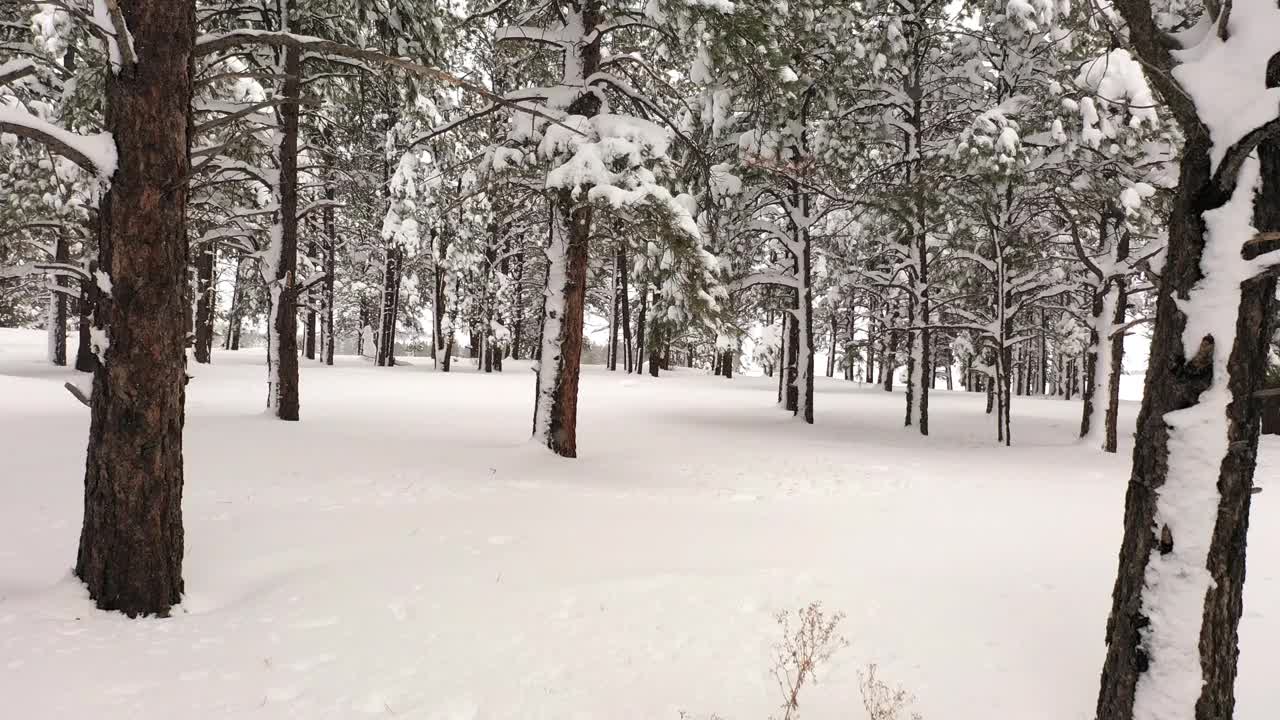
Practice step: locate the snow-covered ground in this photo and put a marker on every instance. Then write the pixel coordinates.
(405, 552)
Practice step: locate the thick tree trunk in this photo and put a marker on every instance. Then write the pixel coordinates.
(206, 301)
(1178, 590)
(556, 404)
(282, 353)
(131, 542)
(560, 359)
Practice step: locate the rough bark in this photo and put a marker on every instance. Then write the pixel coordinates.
(1176, 382)
(131, 542)
(283, 398)
(559, 366)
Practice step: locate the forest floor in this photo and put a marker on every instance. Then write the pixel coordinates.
(404, 551)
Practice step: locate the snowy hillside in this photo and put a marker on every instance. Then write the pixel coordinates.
(404, 551)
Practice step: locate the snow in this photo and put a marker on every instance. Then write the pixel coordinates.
(403, 551)
(1226, 81)
(100, 148)
(1118, 80)
(1176, 582)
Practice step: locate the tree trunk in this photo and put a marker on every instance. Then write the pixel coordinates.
(236, 313)
(615, 312)
(555, 410)
(206, 302)
(890, 360)
(556, 403)
(831, 354)
(387, 315)
(309, 329)
(640, 323)
(282, 347)
(1185, 525)
(330, 267)
(131, 542)
(86, 361)
(58, 306)
(1114, 373)
(625, 300)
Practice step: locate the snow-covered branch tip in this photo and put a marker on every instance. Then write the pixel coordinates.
(209, 44)
(94, 153)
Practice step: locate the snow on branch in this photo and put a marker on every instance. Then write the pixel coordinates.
(47, 268)
(14, 70)
(322, 48)
(94, 153)
(764, 278)
(107, 15)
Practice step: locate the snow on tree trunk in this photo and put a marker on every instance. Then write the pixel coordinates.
(556, 403)
(131, 542)
(1098, 362)
(282, 256)
(1172, 645)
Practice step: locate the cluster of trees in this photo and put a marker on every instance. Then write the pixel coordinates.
(995, 190)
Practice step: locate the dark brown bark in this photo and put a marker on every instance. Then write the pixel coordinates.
(561, 433)
(1176, 382)
(131, 542)
(285, 322)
